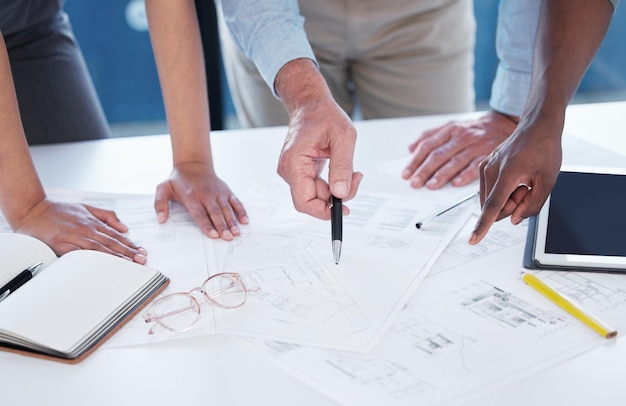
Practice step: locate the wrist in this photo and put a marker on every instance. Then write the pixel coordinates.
(300, 84)
(509, 117)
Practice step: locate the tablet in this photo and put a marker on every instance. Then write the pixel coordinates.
(583, 222)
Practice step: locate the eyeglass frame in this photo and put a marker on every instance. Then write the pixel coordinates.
(156, 318)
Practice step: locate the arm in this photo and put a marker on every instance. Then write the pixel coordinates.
(452, 152)
(272, 35)
(318, 129)
(176, 41)
(64, 227)
(518, 176)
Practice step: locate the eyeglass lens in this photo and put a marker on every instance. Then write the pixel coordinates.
(225, 290)
(180, 311)
(177, 311)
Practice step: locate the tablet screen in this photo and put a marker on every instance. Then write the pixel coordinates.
(584, 221)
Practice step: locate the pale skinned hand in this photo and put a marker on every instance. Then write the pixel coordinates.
(209, 201)
(516, 179)
(452, 152)
(67, 227)
(316, 133)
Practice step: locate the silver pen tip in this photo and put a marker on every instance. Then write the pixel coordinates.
(336, 250)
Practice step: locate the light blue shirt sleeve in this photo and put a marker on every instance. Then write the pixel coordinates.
(515, 38)
(269, 32)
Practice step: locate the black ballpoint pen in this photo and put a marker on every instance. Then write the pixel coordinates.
(23, 277)
(336, 224)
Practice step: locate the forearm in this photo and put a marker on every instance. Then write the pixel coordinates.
(300, 86)
(20, 188)
(177, 46)
(569, 35)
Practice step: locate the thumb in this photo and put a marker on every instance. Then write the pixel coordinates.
(162, 198)
(340, 169)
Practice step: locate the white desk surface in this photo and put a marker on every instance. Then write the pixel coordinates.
(224, 370)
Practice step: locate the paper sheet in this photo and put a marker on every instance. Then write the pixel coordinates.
(461, 334)
(304, 297)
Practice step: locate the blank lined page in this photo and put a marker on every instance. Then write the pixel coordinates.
(67, 300)
(18, 252)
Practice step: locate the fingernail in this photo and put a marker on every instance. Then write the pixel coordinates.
(244, 220)
(416, 182)
(160, 217)
(227, 235)
(235, 230)
(432, 182)
(142, 251)
(139, 258)
(406, 173)
(213, 233)
(340, 189)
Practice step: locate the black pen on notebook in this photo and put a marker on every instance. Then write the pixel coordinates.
(420, 223)
(23, 277)
(336, 224)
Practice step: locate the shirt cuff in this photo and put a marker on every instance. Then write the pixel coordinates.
(275, 48)
(509, 91)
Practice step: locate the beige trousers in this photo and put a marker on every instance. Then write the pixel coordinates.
(380, 58)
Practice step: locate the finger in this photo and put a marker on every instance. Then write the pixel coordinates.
(117, 242)
(223, 218)
(315, 207)
(482, 181)
(513, 202)
(469, 174)
(108, 217)
(455, 165)
(357, 177)
(340, 170)
(200, 215)
(305, 194)
(449, 156)
(239, 209)
(491, 208)
(98, 236)
(315, 201)
(486, 219)
(162, 199)
(423, 148)
(532, 203)
(427, 134)
(356, 181)
(413, 145)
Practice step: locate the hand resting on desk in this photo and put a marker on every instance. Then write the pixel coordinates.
(452, 152)
(68, 226)
(209, 201)
(64, 227)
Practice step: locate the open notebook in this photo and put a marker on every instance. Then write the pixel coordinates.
(74, 303)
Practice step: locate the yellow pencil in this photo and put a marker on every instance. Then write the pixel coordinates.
(572, 308)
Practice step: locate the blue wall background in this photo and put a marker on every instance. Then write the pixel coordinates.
(114, 39)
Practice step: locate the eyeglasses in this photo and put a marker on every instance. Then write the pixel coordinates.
(180, 311)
